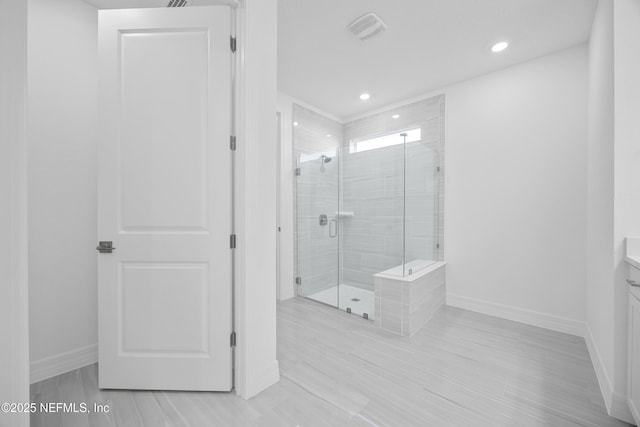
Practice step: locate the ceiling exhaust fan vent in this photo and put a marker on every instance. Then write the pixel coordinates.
(367, 26)
(178, 3)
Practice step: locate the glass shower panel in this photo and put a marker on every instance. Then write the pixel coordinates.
(317, 195)
(373, 192)
(368, 200)
(421, 206)
(317, 206)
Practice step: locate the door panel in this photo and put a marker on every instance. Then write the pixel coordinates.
(164, 178)
(175, 323)
(158, 112)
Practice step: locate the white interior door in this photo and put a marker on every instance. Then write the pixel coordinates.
(164, 190)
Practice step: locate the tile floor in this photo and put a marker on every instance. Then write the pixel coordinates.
(462, 369)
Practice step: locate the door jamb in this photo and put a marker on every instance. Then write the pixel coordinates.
(13, 22)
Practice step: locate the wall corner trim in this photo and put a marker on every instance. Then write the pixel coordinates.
(620, 408)
(603, 378)
(517, 314)
(261, 381)
(615, 402)
(61, 363)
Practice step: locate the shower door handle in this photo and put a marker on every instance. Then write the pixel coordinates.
(333, 228)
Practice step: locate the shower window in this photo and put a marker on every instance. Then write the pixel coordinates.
(388, 140)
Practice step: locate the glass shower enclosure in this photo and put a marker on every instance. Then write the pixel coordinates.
(367, 202)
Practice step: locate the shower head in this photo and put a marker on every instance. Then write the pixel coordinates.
(323, 159)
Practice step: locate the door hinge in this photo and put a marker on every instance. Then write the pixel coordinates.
(232, 340)
(232, 241)
(298, 172)
(233, 44)
(232, 143)
(437, 245)
(438, 168)
(298, 280)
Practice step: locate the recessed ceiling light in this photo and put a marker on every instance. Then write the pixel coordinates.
(395, 116)
(295, 123)
(499, 47)
(328, 135)
(365, 96)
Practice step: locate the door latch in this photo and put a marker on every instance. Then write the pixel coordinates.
(105, 247)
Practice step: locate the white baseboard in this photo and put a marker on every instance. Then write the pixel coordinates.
(606, 388)
(64, 362)
(269, 376)
(529, 317)
(286, 293)
(615, 402)
(620, 409)
(635, 414)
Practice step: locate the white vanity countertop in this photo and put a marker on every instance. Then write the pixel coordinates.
(633, 251)
(633, 260)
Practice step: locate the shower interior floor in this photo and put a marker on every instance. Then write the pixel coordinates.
(359, 300)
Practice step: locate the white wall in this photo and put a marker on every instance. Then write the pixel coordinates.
(14, 351)
(515, 191)
(62, 118)
(613, 194)
(600, 299)
(256, 199)
(626, 36)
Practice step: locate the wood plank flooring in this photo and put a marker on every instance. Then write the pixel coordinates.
(462, 369)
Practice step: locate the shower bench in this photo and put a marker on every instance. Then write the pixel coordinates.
(404, 304)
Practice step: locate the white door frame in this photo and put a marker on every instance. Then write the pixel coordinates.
(279, 124)
(257, 369)
(254, 101)
(14, 302)
(256, 366)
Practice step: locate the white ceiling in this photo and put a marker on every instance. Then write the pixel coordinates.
(428, 44)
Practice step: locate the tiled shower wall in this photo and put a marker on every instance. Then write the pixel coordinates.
(316, 192)
(396, 197)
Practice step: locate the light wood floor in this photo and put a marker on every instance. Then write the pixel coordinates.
(462, 369)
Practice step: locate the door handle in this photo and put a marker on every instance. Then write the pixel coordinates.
(633, 282)
(105, 247)
(333, 228)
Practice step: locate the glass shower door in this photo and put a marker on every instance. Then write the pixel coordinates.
(317, 195)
